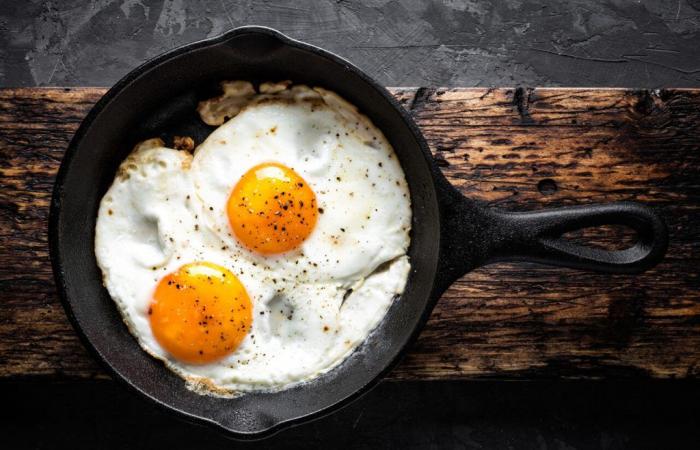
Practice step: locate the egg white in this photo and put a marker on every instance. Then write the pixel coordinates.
(311, 306)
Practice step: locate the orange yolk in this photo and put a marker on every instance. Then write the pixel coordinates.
(272, 209)
(200, 313)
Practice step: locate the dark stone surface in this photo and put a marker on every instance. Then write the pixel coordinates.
(401, 43)
(419, 415)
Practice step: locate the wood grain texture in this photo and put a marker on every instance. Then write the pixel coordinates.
(519, 149)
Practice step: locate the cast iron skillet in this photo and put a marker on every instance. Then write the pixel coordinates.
(450, 236)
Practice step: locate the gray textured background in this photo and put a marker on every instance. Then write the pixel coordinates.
(401, 43)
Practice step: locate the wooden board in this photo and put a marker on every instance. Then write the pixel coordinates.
(514, 148)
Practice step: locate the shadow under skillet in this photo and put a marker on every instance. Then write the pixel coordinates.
(405, 415)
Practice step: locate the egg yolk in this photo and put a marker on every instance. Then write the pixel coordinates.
(272, 209)
(200, 313)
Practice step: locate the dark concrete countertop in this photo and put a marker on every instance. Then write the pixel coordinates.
(401, 43)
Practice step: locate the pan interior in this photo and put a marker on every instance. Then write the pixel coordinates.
(159, 99)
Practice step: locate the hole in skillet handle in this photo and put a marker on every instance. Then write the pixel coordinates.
(606, 237)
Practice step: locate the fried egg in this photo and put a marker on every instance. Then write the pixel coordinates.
(268, 256)
(323, 143)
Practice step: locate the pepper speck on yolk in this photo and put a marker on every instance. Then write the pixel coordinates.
(272, 209)
(200, 313)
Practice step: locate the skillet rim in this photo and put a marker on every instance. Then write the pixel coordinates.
(54, 236)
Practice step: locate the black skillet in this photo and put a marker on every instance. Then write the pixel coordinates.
(451, 234)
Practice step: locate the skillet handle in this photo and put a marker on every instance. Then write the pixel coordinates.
(537, 236)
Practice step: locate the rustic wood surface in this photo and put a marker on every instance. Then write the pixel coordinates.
(514, 148)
